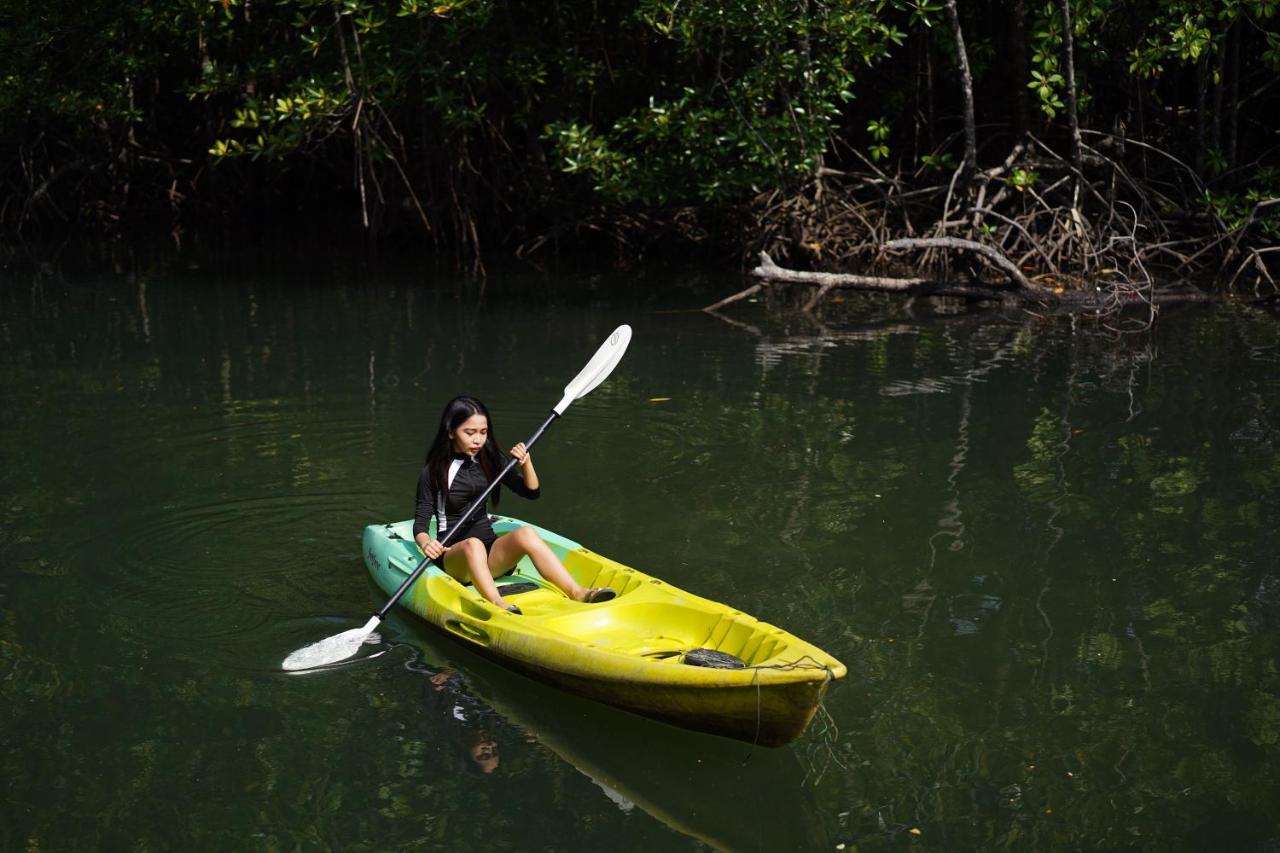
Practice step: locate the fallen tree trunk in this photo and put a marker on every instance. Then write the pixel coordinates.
(1019, 291)
(769, 271)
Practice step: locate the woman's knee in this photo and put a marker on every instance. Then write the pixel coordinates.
(527, 537)
(473, 549)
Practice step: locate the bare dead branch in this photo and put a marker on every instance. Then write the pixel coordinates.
(997, 259)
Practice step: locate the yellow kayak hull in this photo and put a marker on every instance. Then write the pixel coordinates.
(629, 652)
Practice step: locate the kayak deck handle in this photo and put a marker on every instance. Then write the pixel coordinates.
(468, 631)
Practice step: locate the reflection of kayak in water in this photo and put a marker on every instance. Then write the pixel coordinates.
(725, 794)
(637, 651)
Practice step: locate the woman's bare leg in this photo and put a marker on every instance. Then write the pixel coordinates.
(508, 550)
(468, 557)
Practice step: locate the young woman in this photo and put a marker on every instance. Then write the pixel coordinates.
(463, 459)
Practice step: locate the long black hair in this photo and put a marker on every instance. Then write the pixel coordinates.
(440, 453)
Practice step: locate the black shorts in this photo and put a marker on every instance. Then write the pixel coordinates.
(486, 535)
(483, 532)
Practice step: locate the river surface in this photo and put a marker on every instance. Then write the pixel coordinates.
(1046, 552)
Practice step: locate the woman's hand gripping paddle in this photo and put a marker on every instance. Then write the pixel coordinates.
(339, 647)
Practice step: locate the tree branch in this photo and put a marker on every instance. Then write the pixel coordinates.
(999, 260)
(770, 271)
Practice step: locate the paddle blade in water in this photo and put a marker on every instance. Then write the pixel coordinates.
(597, 369)
(339, 647)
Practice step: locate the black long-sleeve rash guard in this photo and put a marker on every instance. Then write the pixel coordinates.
(468, 484)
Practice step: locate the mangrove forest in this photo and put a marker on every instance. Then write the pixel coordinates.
(1089, 152)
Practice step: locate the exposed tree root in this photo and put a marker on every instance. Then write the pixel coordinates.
(1085, 235)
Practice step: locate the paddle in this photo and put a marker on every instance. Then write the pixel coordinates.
(339, 647)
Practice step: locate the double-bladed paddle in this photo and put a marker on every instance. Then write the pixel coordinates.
(339, 647)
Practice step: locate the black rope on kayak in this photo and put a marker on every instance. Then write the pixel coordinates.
(806, 662)
(755, 741)
(830, 732)
(755, 676)
(715, 659)
(827, 737)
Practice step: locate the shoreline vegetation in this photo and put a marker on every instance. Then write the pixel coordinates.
(1078, 154)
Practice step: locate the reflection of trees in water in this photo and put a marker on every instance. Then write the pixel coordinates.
(980, 678)
(1116, 613)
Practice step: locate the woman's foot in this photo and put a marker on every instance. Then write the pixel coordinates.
(595, 595)
(511, 608)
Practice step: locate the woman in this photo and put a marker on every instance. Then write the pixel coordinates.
(463, 459)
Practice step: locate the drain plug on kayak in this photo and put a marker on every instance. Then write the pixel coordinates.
(713, 659)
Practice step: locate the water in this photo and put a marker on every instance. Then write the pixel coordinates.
(1045, 552)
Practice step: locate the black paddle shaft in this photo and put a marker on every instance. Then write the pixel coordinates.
(462, 521)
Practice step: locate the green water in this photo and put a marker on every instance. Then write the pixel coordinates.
(1046, 553)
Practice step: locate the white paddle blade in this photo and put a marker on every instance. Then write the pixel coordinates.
(597, 369)
(339, 647)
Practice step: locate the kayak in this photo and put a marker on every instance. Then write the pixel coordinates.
(654, 649)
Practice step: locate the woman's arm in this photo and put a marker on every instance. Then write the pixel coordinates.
(525, 483)
(424, 509)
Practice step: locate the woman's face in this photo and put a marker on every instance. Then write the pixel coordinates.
(470, 435)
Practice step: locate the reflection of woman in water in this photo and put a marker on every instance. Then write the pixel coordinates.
(483, 742)
(484, 751)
